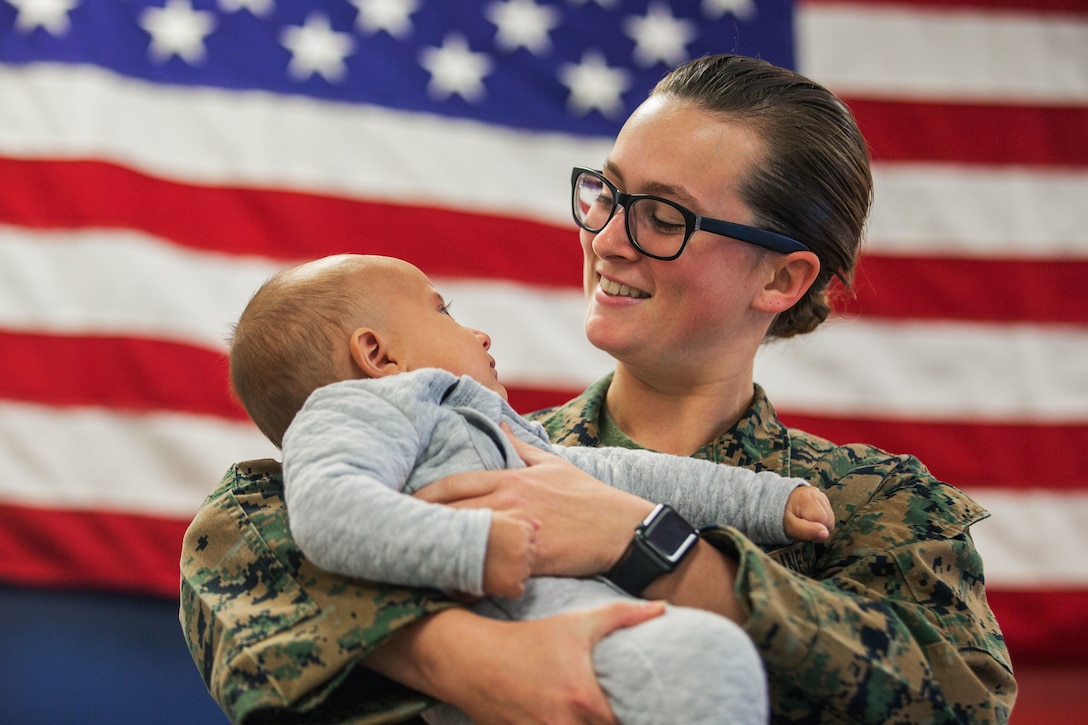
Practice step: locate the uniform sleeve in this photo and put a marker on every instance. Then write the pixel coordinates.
(893, 626)
(703, 492)
(347, 456)
(274, 638)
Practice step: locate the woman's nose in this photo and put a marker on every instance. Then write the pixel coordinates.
(612, 241)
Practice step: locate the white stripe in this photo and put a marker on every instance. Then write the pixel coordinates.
(209, 136)
(206, 136)
(935, 210)
(83, 458)
(122, 283)
(1034, 539)
(937, 371)
(932, 371)
(164, 465)
(954, 54)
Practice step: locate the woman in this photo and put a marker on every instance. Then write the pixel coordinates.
(888, 620)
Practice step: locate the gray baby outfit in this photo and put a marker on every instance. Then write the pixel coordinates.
(357, 447)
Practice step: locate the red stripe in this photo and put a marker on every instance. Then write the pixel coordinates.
(90, 549)
(122, 373)
(1032, 6)
(38, 369)
(1050, 136)
(285, 225)
(970, 454)
(1043, 627)
(78, 549)
(979, 290)
(66, 195)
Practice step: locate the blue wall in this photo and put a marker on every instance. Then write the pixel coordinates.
(76, 657)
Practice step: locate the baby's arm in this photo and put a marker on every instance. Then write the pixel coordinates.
(703, 492)
(346, 457)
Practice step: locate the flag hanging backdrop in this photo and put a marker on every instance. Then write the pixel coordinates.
(159, 159)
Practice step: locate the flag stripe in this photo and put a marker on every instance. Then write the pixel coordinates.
(945, 210)
(1040, 136)
(1017, 557)
(154, 464)
(991, 290)
(901, 368)
(48, 541)
(952, 451)
(37, 369)
(1042, 627)
(1035, 7)
(976, 211)
(449, 243)
(53, 547)
(239, 143)
(64, 371)
(966, 56)
(71, 194)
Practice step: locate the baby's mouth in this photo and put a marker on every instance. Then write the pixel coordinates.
(615, 289)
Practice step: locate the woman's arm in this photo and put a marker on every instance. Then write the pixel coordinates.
(510, 672)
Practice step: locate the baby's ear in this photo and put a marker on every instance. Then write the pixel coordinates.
(371, 354)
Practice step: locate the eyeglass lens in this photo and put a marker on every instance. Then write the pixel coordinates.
(656, 226)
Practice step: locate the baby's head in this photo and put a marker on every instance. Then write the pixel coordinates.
(341, 318)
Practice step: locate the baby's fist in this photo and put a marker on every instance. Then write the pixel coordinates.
(808, 515)
(511, 550)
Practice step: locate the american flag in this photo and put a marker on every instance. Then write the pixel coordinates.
(160, 158)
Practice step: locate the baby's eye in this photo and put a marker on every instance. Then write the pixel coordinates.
(445, 308)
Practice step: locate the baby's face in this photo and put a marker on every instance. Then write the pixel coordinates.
(424, 335)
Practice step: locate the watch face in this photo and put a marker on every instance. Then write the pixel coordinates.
(670, 535)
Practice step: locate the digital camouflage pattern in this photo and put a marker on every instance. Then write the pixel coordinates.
(885, 622)
(275, 638)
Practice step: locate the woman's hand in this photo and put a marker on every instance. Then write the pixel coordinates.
(585, 525)
(510, 672)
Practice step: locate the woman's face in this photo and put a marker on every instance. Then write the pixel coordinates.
(696, 309)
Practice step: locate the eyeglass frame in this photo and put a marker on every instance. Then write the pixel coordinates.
(693, 222)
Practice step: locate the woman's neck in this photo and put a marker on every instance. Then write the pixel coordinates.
(673, 416)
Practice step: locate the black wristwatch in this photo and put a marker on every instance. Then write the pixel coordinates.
(660, 543)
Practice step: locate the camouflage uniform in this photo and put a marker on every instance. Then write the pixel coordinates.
(885, 622)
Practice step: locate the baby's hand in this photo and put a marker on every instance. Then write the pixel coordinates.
(511, 550)
(808, 515)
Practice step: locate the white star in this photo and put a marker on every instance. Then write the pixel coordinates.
(522, 24)
(659, 36)
(388, 15)
(260, 8)
(594, 85)
(177, 29)
(455, 69)
(317, 48)
(741, 9)
(49, 14)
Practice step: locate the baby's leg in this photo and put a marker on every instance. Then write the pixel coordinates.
(686, 666)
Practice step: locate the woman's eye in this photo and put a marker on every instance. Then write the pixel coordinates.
(667, 227)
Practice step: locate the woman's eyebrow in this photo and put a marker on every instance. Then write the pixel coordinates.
(655, 188)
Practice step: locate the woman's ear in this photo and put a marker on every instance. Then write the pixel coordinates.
(789, 278)
(371, 354)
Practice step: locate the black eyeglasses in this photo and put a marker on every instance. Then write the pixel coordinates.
(657, 227)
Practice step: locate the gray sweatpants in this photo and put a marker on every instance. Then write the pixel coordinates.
(686, 666)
